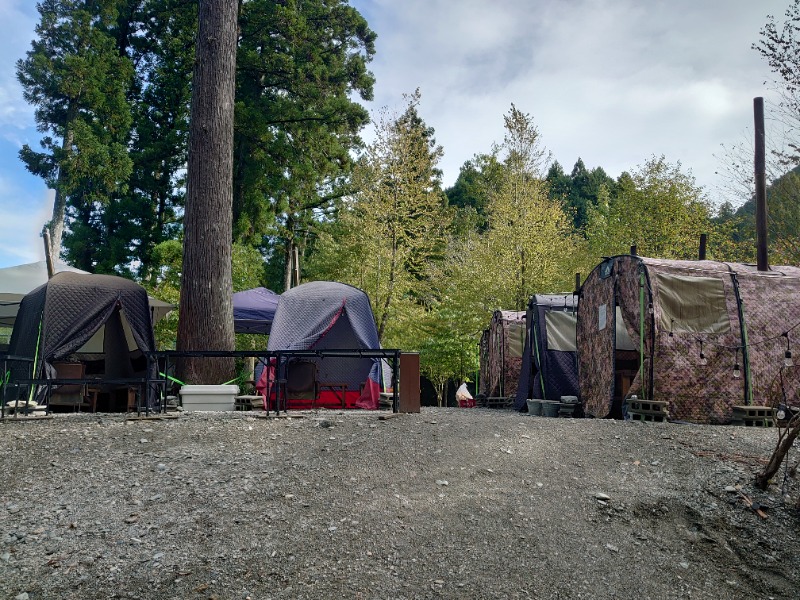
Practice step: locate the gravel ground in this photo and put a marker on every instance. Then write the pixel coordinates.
(448, 503)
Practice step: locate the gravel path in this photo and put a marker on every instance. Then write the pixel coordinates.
(448, 503)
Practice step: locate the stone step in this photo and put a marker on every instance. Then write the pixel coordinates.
(652, 417)
(648, 406)
(249, 402)
(753, 412)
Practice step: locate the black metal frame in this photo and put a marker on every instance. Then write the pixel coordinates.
(281, 359)
(144, 383)
(5, 384)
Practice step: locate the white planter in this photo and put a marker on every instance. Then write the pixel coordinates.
(209, 397)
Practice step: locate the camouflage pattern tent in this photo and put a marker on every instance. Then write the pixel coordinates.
(501, 354)
(692, 323)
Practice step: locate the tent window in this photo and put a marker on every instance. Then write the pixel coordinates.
(624, 341)
(561, 330)
(516, 339)
(692, 304)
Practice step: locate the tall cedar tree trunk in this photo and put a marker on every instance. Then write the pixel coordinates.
(206, 309)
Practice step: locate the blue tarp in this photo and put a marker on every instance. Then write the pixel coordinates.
(253, 310)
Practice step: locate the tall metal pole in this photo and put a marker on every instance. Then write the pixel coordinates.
(761, 186)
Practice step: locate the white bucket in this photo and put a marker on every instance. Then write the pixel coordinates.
(209, 397)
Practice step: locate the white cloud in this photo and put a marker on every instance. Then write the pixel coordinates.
(611, 81)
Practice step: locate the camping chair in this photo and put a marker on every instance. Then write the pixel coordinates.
(72, 394)
(301, 381)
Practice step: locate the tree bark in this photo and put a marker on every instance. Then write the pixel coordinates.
(56, 224)
(206, 309)
(288, 253)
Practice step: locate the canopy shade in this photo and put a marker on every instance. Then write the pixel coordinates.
(253, 310)
(16, 282)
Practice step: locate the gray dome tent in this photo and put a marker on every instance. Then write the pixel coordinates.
(323, 315)
(100, 319)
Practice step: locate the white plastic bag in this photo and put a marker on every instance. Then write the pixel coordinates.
(462, 393)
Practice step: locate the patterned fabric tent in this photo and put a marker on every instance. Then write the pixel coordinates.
(323, 315)
(707, 336)
(96, 319)
(549, 362)
(501, 354)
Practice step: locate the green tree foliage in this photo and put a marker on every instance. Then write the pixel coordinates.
(117, 153)
(446, 344)
(658, 208)
(300, 63)
(392, 230)
(77, 80)
(158, 37)
(166, 286)
(580, 190)
(530, 245)
(477, 179)
(783, 201)
(460, 307)
(738, 228)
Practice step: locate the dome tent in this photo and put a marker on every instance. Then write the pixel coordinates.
(254, 310)
(102, 320)
(322, 315)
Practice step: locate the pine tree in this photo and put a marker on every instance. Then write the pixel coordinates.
(394, 227)
(77, 80)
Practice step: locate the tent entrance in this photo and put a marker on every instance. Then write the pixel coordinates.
(626, 364)
(112, 353)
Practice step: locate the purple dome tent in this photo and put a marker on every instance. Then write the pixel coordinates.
(253, 310)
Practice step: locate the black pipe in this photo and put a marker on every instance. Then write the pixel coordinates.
(761, 186)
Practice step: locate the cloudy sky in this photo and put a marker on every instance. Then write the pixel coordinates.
(613, 82)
